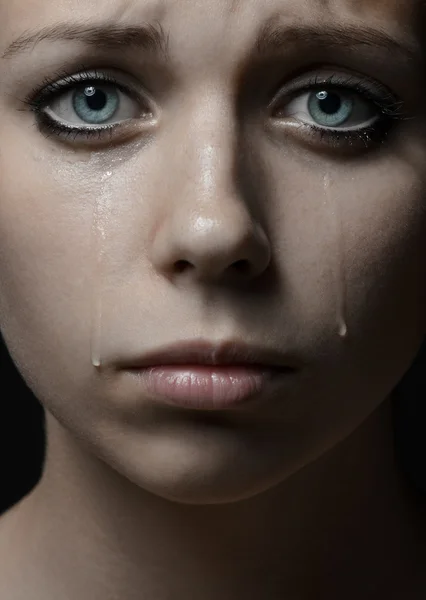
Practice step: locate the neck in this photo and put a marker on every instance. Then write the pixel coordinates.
(345, 523)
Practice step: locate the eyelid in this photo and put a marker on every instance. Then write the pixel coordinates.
(63, 82)
(372, 89)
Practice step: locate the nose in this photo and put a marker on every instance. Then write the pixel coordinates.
(208, 230)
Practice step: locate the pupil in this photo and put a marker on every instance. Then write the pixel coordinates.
(96, 101)
(329, 103)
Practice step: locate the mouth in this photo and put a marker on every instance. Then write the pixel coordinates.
(206, 376)
(227, 353)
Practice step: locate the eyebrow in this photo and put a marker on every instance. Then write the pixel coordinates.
(150, 37)
(272, 38)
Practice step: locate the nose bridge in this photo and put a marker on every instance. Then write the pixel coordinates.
(208, 229)
(212, 144)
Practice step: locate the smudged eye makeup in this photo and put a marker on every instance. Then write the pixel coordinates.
(337, 110)
(90, 104)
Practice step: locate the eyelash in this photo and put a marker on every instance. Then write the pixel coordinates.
(60, 83)
(389, 108)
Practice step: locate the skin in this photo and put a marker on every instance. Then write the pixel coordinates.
(299, 497)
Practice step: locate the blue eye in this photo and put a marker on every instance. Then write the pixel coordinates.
(89, 104)
(341, 110)
(96, 104)
(330, 109)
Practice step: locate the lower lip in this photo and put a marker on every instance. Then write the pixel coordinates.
(206, 387)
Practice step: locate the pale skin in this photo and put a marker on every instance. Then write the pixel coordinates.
(301, 497)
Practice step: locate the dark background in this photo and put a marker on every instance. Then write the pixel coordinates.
(22, 439)
(21, 434)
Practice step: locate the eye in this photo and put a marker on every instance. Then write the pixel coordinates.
(337, 111)
(331, 108)
(91, 104)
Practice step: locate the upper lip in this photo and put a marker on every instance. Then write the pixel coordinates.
(203, 352)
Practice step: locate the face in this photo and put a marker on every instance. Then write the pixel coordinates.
(259, 177)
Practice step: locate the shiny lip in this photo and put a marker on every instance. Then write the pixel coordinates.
(226, 353)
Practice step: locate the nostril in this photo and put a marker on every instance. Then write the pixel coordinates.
(182, 265)
(242, 266)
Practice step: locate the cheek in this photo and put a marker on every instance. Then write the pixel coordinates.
(384, 234)
(351, 245)
(45, 259)
(49, 258)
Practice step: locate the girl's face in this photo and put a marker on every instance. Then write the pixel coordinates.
(222, 170)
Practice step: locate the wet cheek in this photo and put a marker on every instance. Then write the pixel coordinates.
(384, 228)
(350, 243)
(45, 226)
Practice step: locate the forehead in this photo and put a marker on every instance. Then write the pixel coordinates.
(204, 21)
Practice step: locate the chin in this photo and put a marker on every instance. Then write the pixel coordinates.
(196, 467)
